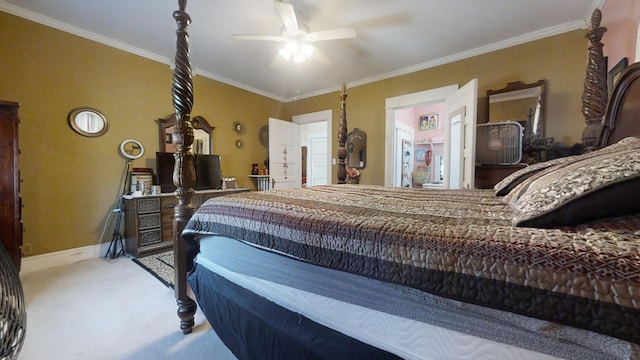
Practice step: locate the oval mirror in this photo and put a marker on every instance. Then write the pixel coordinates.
(357, 149)
(88, 122)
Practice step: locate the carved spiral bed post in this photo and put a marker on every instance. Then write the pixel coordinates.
(184, 175)
(595, 95)
(342, 137)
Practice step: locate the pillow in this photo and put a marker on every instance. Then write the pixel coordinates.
(593, 188)
(507, 184)
(512, 180)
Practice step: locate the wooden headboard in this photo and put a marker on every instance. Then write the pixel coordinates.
(622, 118)
(605, 125)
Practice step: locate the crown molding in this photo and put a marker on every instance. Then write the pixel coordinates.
(537, 35)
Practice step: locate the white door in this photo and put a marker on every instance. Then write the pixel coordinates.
(460, 137)
(284, 154)
(456, 145)
(404, 134)
(318, 164)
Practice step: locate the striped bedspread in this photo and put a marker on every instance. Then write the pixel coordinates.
(459, 244)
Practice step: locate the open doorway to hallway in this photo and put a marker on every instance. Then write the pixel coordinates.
(315, 140)
(457, 118)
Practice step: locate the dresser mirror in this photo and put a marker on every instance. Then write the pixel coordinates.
(202, 133)
(356, 149)
(88, 122)
(523, 103)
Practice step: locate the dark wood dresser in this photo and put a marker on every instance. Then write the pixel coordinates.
(489, 175)
(10, 201)
(149, 219)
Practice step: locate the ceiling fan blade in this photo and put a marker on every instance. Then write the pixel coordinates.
(332, 34)
(288, 16)
(257, 37)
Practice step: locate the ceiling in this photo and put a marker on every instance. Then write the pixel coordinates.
(394, 37)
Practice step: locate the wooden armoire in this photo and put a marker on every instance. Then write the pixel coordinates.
(10, 201)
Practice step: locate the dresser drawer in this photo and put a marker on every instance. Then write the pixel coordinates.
(149, 237)
(148, 221)
(148, 205)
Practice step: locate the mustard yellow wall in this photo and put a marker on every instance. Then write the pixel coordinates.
(561, 60)
(71, 182)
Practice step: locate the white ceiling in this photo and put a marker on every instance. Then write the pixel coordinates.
(394, 36)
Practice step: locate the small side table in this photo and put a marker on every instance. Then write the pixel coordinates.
(489, 175)
(261, 182)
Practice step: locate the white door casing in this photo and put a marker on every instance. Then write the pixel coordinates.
(315, 117)
(403, 101)
(284, 154)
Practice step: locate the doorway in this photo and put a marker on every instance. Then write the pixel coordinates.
(315, 140)
(458, 101)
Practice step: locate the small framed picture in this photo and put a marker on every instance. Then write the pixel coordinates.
(420, 155)
(429, 122)
(615, 73)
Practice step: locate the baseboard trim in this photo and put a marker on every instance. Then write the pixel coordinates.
(59, 258)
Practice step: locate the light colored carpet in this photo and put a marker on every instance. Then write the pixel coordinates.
(109, 309)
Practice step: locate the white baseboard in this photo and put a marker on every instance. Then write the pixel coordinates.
(60, 258)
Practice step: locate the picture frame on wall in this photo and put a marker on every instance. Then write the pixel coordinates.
(420, 155)
(615, 72)
(429, 121)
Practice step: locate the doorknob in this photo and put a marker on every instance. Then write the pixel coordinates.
(273, 183)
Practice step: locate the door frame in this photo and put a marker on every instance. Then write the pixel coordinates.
(403, 101)
(318, 116)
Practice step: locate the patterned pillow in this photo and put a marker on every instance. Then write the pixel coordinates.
(510, 182)
(593, 188)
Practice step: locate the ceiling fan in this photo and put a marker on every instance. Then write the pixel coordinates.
(297, 37)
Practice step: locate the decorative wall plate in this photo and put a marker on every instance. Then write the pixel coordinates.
(263, 136)
(238, 127)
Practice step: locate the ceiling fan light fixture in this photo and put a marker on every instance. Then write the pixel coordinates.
(307, 50)
(289, 49)
(296, 49)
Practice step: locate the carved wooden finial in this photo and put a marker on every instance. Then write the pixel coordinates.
(595, 94)
(342, 137)
(596, 18)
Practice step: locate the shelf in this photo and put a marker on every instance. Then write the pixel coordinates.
(429, 143)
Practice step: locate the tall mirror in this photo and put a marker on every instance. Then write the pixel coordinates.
(356, 149)
(523, 103)
(202, 132)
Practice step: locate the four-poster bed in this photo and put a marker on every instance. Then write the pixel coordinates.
(373, 272)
